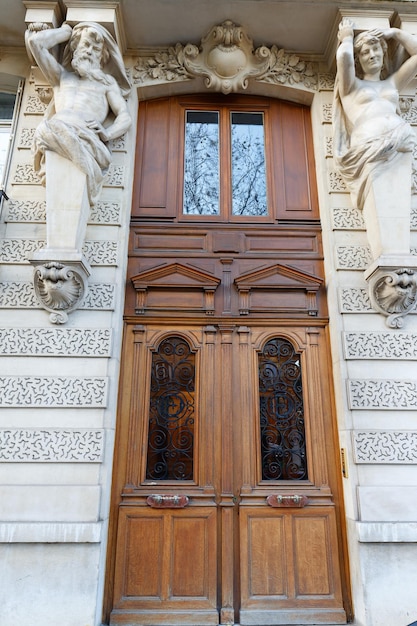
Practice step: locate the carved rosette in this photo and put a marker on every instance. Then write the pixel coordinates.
(60, 288)
(393, 292)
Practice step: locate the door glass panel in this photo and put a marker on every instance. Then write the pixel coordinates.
(283, 446)
(201, 163)
(171, 412)
(248, 164)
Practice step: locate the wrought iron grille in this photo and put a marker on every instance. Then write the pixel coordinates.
(283, 445)
(171, 412)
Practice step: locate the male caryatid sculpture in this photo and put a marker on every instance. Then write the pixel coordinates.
(88, 107)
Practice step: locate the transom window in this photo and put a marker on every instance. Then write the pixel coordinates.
(223, 159)
(203, 172)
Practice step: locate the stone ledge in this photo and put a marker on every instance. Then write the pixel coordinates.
(35, 532)
(387, 532)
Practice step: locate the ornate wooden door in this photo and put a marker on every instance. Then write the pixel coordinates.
(226, 501)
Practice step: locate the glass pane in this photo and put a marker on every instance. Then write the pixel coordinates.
(171, 412)
(283, 446)
(201, 169)
(4, 149)
(7, 101)
(248, 165)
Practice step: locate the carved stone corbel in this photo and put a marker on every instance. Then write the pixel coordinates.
(393, 292)
(60, 287)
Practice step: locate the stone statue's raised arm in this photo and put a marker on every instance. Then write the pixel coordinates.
(345, 57)
(39, 41)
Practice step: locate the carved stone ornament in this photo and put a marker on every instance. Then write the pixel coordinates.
(226, 58)
(393, 292)
(60, 288)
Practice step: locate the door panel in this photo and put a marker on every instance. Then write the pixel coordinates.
(166, 559)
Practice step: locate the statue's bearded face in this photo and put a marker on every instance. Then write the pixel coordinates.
(87, 55)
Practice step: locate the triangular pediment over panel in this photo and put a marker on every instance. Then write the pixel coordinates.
(278, 289)
(175, 287)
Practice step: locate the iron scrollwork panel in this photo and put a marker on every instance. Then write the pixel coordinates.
(283, 443)
(171, 412)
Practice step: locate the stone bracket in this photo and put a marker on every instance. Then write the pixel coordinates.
(393, 291)
(60, 286)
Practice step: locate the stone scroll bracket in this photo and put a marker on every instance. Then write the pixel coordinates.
(60, 286)
(393, 288)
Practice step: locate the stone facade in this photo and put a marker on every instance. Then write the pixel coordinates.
(59, 384)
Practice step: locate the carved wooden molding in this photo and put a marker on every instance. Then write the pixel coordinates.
(155, 289)
(281, 289)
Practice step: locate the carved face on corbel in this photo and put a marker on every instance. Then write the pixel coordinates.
(226, 58)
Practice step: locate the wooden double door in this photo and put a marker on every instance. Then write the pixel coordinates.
(226, 511)
(226, 504)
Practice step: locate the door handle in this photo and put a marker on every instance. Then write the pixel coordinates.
(167, 501)
(287, 501)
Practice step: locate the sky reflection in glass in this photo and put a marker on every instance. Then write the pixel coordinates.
(201, 169)
(248, 165)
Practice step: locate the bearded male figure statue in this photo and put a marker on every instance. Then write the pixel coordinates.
(71, 154)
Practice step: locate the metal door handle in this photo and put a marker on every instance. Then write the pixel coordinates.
(167, 501)
(293, 500)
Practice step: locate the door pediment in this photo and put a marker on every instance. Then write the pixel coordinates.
(175, 287)
(278, 289)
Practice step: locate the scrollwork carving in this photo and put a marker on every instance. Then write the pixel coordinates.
(226, 59)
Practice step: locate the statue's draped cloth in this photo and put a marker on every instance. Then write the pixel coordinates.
(76, 143)
(359, 165)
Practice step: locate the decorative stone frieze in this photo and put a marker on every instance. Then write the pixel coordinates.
(336, 183)
(328, 147)
(25, 175)
(385, 446)
(347, 218)
(18, 251)
(354, 300)
(380, 345)
(382, 394)
(326, 113)
(353, 257)
(25, 139)
(26, 211)
(226, 59)
(326, 82)
(52, 391)
(77, 342)
(166, 66)
(34, 106)
(51, 445)
(21, 295)
(114, 176)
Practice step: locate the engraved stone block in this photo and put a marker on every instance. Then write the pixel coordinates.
(51, 445)
(52, 391)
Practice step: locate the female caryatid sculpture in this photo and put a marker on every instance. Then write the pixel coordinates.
(372, 148)
(368, 130)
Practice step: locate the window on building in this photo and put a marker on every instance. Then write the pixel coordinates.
(9, 98)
